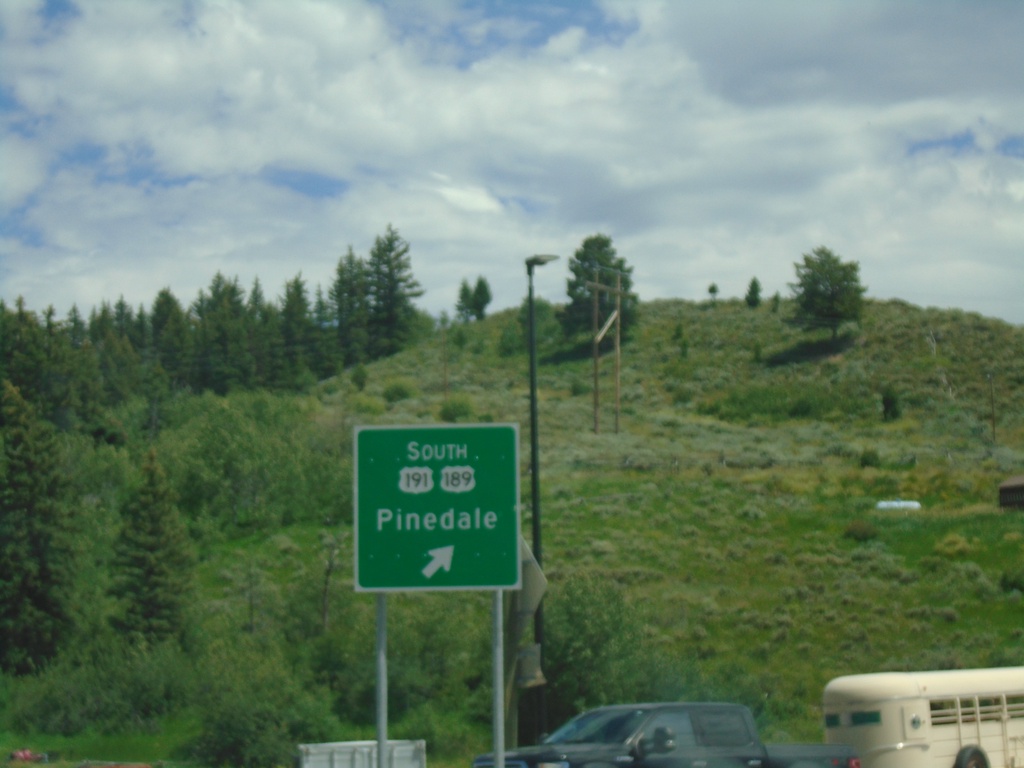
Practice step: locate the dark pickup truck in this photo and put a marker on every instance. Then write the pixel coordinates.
(669, 735)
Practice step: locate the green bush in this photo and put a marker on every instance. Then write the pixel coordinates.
(456, 407)
(448, 733)
(579, 387)
(107, 686)
(891, 408)
(860, 531)
(599, 651)
(775, 403)
(511, 341)
(953, 545)
(359, 377)
(1012, 580)
(869, 458)
(397, 390)
(255, 708)
(365, 404)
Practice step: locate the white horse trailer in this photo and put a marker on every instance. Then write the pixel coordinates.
(964, 718)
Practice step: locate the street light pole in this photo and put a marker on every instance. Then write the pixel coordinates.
(538, 617)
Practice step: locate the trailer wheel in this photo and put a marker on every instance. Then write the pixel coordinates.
(971, 757)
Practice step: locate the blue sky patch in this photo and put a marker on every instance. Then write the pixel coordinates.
(1011, 146)
(315, 185)
(133, 166)
(85, 153)
(13, 226)
(483, 27)
(57, 13)
(547, 18)
(7, 101)
(957, 144)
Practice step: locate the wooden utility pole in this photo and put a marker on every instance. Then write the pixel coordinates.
(615, 317)
(992, 403)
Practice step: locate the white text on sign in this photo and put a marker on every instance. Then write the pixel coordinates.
(439, 452)
(451, 520)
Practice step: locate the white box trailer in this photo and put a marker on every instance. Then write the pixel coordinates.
(363, 754)
(963, 718)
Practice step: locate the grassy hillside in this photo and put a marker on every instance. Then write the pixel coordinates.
(739, 494)
(736, 504)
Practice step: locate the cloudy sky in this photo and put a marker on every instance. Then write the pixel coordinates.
(153, 144)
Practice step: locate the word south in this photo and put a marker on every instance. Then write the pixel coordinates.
(451, 520)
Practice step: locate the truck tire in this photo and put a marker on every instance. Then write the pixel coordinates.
(971, 757)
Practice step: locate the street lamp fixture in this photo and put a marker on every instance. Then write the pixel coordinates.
(538, 617)
(539, 260)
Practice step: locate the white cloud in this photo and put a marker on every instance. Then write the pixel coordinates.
(714, 141)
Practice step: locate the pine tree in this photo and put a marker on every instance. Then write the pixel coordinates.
(124, 321)
(24, 349)
(753, 297)
(76, 328)
(828, 292)
(350, 300)
(120, 367)
(37, 562)
(224, 360)
(171, 337)
(596, 259)
(481, 298)
(464, 304)
(324, 345)
(153, 560)
(101, 323)
(86, 395)
(392, 288)
(297, 330)
(265, 340)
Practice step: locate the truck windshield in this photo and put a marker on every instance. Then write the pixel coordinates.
(607, 726)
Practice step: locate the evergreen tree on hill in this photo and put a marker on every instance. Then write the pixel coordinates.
(472, 302)
(37, 561)
(58, 377)
(392, 287)
(24, 354)
(596, 261)
(263, 320)
(349, 299)
(828, 292)
(464, 304)
(481, 298)
(753, 297)
(297, 331)
(153, 561)
(172, 338)
(325, 353)
(224, 360)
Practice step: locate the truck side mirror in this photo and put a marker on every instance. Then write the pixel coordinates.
(662, 740)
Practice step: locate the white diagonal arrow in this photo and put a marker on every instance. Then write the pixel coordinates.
(442, 558)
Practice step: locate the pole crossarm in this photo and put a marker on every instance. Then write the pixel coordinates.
(601, 287)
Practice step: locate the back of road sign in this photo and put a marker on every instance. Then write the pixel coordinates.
(437, 507)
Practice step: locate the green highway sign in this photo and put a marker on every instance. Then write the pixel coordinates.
(437, 507)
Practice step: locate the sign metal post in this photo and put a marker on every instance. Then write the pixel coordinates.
(437, 508)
